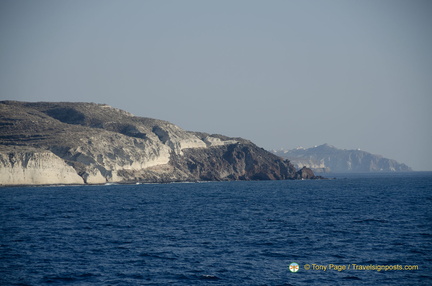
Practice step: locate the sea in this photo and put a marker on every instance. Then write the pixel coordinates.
(358, 229)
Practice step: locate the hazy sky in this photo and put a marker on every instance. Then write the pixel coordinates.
(354, 74)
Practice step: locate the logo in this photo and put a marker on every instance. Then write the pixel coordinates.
(294, 267)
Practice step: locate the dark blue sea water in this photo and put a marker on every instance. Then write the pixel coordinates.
(222, 233)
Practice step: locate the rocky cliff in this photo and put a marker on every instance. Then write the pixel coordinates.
(78, 143)
(35, 166)
(327, 158)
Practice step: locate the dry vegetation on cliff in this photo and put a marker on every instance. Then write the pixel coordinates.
(95, 143)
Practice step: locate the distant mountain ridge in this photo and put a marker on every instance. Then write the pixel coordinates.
(329, 159)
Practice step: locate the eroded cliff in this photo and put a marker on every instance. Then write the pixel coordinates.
(21, 167)
(87, 143)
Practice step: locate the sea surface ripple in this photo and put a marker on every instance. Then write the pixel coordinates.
(219, 233)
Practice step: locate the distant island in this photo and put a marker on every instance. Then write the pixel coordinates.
(88, 143)
(329, 159)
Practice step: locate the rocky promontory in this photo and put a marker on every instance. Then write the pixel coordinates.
(329, 159)
(88, 143)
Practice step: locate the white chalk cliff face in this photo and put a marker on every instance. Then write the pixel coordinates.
(36, 167)
(87, 143)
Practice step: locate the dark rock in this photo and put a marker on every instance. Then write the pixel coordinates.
(307, 174)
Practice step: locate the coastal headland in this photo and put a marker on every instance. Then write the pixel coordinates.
(89, 143)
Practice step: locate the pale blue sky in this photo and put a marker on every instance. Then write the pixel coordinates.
(354, 74)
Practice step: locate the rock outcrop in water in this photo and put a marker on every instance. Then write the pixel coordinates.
(78, 143)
